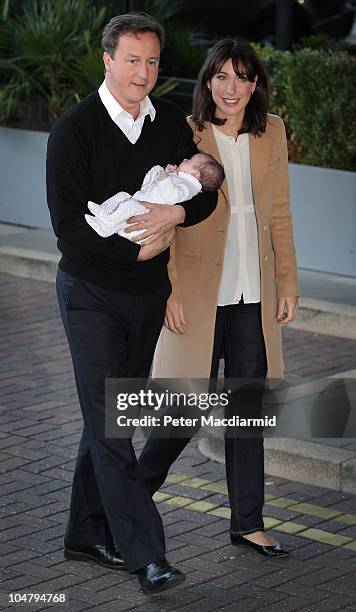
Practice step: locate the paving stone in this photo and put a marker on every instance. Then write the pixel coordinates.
(20, 583)
(194, 517)
(32, 543)
(345, 585)
(284, 514)
(88, 570)
(184, 553)
(330, 498)
(33, 568)
(336, 554)
(286, 604)
(26, 479)
(291, 528)
(311, 594)
(48, 509)
(309, 521)
(330, 604)
(50, 486)
(93, 598)
(108, 580)
(75, 606)
(214, 530)
(186, 491)
(326, 538)
(311, 551)
(12, 463)
(6, 549)
(7, 574)
(217, 569)
(283, 576)
(16, 532)
(16, 557)
(35, 493)
(205, 543)
(204, 605)
(252, 597)
(180, 527)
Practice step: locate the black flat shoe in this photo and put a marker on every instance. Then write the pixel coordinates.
(268, 551)
(159, 576)
(106, 555)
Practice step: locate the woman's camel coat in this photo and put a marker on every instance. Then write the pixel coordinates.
(197, 258)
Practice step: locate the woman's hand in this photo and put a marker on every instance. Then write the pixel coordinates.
(287, 309)
(161, 219)
(174, 319)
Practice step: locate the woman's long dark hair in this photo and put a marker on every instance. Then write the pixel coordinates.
(246, 63)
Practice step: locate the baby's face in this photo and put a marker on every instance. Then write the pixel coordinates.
(186, 166)
(191, 166)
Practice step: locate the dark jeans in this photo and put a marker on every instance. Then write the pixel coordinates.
(110, 335)
(239, 339)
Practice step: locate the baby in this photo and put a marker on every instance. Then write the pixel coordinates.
(171, 185)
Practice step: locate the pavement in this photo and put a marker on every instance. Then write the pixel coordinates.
(321, 343)
(40, 425)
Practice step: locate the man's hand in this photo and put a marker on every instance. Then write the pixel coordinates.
(287, 309)
(161, 219)
(161, 243)
(174, 319)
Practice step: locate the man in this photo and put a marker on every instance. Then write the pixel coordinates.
(112, 292)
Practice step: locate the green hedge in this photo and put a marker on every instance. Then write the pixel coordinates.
(50, 58)
(314, 91)
(50, 55)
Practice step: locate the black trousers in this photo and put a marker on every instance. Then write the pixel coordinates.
(110, 335)
(239, 339)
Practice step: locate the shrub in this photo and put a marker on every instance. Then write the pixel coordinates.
(50, 58)
(44, 49)
(314, 92)
(181, 56)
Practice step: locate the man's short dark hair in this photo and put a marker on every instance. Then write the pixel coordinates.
(134, 23)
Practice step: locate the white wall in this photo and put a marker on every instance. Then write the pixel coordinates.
(323, 202)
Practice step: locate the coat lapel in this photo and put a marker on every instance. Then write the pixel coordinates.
(259, 157)
(206, 140)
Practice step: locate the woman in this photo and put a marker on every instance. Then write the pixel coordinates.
(234, 275)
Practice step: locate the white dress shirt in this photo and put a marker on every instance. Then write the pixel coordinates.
(241, 269)
(131, 127)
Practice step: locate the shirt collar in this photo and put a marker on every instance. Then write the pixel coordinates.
(115, 109)
(242, 140)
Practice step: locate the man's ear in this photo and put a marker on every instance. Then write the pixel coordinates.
(107, 59)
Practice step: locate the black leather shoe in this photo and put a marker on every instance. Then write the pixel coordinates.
(159, 576)
(106, 555)
(268, 551)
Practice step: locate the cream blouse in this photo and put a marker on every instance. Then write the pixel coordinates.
(241, 269)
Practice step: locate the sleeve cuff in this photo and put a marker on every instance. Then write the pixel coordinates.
(132, 250)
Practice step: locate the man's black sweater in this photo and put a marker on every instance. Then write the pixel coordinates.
(89, 158)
